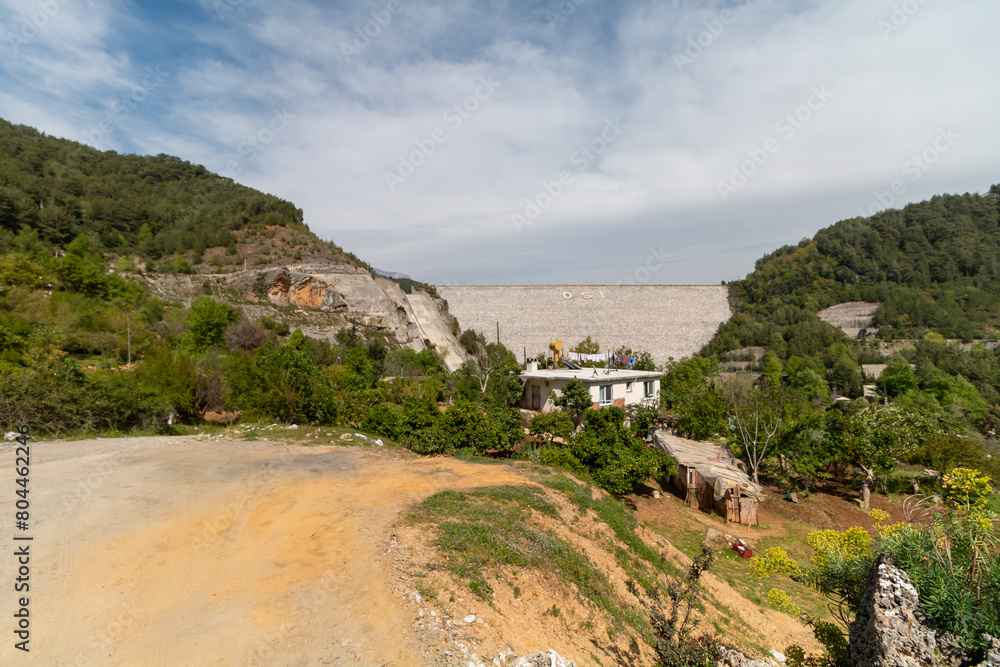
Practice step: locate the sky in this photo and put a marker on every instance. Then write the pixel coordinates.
(550, 142)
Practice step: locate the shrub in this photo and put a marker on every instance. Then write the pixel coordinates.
(465, 425)
(557, 456)
(384, 419)
(280, 383)
(506, 431)
(775, 560)
(246, 336)
(556, 424)
(615, 460)
(207, 322)
(781, 601)
(429, 442)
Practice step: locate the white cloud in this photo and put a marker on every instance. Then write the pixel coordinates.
(350, 119)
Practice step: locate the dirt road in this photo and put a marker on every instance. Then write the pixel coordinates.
(175, 551)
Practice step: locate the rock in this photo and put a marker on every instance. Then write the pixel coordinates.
(471, 618)
(292, 427)
(358, 435)
(779, 657)
(992, 653)
(379, 442)
(887, 630)
(737, 659)
(345, 436)
(415, 596)
(543, 659)
(11, 436)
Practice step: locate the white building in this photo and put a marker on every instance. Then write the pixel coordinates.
(620, 388)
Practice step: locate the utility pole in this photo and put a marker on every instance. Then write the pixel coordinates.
(128, 321)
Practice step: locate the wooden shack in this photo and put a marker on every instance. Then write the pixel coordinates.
(709, 476)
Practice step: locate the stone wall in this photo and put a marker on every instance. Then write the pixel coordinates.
(666, 320)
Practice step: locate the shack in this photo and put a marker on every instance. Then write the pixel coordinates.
(709, 476)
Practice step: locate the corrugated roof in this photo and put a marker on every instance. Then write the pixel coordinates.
(713, 461)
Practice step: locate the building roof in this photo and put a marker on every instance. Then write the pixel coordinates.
(714, 462)
(586, 375)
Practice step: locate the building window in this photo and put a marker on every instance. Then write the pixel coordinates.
(628, 387)
(606, 394)
(648, 388)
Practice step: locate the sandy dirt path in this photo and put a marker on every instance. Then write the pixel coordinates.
(175, 551)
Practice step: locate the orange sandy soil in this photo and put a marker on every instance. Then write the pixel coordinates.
(180, 551)
(174, 551)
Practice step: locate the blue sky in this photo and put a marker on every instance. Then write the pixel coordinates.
(571, 141)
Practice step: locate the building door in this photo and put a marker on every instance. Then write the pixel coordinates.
(536, 397)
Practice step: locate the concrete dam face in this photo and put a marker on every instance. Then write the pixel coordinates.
(666, 320)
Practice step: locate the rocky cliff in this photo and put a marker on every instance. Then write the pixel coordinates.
(322, 299)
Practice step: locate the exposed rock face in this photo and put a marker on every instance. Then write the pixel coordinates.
(543, 659)
(888, 630)
(326, 298)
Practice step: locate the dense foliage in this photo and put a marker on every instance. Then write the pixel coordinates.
(932, 266)
(155, 205)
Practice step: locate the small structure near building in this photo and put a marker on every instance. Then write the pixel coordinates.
(608, 387)
(708, 475)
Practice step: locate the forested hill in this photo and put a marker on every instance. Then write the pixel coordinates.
(150, 207)
(933, 266)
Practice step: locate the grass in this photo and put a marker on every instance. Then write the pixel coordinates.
(491, 527)
(616, 515)
(735, 570)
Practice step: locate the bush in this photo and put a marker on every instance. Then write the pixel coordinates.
(430, 442)
(615, 460)
(561, 458)
(465, 425)
(556, 424)
(282, 384)
(207, 322)
(385, 419)
(62, 400)
(246, 336)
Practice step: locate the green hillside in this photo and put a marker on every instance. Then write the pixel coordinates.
(160, 211)
(932, 267)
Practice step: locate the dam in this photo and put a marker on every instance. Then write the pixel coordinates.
(665, 320)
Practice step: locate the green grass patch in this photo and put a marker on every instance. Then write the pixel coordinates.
(490, 528)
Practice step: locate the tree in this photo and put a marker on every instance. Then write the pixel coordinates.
(875, 439)
(574, 399)
(898, 377)
(615, 460)
(688, 394)
(755, 417)
(557, 424)
(208, 320)
(845, 376)
(586, 346)
(492, 372)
